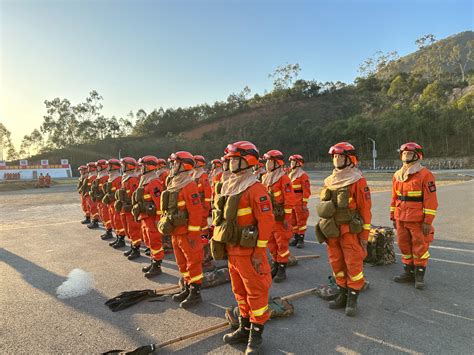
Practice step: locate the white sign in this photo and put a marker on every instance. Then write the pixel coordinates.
(3, 163)
(374, 153)
(64, 162)
(23, 162)
(44, 162)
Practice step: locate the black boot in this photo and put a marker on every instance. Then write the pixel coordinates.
(274, 268)
(112, 243)
(281, 273)
(255, 340)
(107, 235)
(134, 254)
(145, 268)
(294, 242)
(300, 242)
(407, 276)
(86, 220)
(147, 252)
(351, 306)
(128, 252)
(241, 335)
(180, 297)
(193, 298)
(154, 270)
(94, 224)
(341, 299)
(120, 243)
(419, 277)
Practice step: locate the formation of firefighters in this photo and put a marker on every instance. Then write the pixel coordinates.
(256, 203)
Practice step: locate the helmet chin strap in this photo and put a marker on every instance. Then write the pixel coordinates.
(275, 166)
(415, 158)
(347, 162)
(239, 169)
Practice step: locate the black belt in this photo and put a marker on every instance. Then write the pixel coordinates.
(410, 198)
(298, 191)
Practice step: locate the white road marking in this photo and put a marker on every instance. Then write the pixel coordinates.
(452, 315)
(346, 351)
(448, 248)
(417, 317)
(383, 342)
(448, 261)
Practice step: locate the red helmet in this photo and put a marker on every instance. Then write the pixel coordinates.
(91, 166)
(114, 164)
(224, 159)
(82, 168)
(199, 160)
(128, 163)
(298, 158)
(101, 164)
(149, 163)
(245, 150)
(185, 158)
(412, 147)
(275, 155)
(161, 162)
(216, 162)
(346, 149)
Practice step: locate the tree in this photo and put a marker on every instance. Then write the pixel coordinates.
(461, 57)
(284, 76)
(6, 144)
(377, 62)
(425, 41)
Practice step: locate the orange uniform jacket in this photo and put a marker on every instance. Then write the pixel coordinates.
(188, 199)
(204, 188)
(102, 182)
(163, 178)
(359, 198)
(283, 194)
(302, 189)
(116, 184)
(90, 180)
(414, 200)
(255, 208)
(152, 192)
(130, 185)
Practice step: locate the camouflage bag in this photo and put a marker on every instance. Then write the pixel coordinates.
(380, 246)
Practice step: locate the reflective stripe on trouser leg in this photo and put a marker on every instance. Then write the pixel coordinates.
(190, 247)
(404, 243)
(282, 237)
(155, 239)
(354, 256)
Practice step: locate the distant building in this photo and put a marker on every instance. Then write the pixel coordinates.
(26, 171)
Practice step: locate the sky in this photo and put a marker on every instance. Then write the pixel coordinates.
(170, 53)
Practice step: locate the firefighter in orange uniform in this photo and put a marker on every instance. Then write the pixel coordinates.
(181, 217)
(103, 209)
(91, 176)
(344, 209)
(259, 169)
(163, 171)
(147, 209)
(205, 191)
(81, 190)
(244, 202)
(283, 200)
(412, 210)
(47, 180)
(302, 189)
(113, 183)
(130, 181)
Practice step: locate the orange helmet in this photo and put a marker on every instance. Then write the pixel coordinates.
(82, 168)
(128, 163)
(101, 164)
(161, 162)
(91, 166)
(412, 147)
(113, 164)
(346, 149)
(186, 159)
(245, 150)
(216, 162)
(298, 158)
(275, 155)
(199, 160)
(148, 163)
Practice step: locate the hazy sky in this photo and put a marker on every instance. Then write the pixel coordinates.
(147, 54)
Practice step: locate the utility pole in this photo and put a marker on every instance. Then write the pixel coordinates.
(374, 151)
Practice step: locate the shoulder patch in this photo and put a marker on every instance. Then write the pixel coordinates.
(156, 192)
(366, 189)
(194, 195)
(263, 198)
(265, 207)
(431, 186)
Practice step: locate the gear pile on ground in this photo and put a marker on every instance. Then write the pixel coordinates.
(380, 247)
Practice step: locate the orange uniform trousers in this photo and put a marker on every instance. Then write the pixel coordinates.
(117, 224)
(251, 289)
(132, 228)
(189, 256)
(346, 256)
(279, 240)
(413, 244)
(104, 215)
(299, 218)
(85, 206)
(152, 237)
